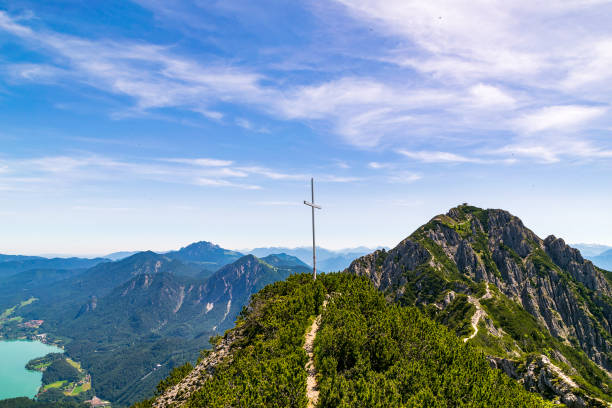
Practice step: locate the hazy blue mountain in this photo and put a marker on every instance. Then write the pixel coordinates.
(5, 258)
(206, 254)
(13, 264)
(603, 260)
(327, 260)
(117, 256)
(590, 250)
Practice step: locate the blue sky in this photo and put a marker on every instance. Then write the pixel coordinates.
(154, 123)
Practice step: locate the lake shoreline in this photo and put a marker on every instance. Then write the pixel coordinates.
(16, 380)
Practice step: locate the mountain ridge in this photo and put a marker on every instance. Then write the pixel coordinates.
(367, 352)
(541, 289)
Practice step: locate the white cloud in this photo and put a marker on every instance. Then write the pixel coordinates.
(243, 123)
(342, 164)
(279, 203)
(404, 177)
(336, 179)
(558, 117)
(436, 157)
(488, 96)
(202, 181)
(272, 174)
(205, 162)
(150, 74)
(554, 150)
(543, 154)
(58, 171)
(377, 165)
(545, 53)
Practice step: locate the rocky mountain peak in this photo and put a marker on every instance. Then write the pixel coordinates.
(445, 265)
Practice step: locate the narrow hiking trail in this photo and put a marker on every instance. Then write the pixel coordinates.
(312, 390)
(479, 314)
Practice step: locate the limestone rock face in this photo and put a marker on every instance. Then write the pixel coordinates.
(179, 393)
(567, 295)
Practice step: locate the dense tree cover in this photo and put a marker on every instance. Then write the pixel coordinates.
(268, 367)
(23, 402)
(60, 370)
(41, 363)
(368, 352)
(374, 354)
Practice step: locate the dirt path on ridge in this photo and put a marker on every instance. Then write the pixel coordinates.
(312, 389)
(479, 314)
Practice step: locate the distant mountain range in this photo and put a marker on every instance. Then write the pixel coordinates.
(13, 264)
(122, 318)
(600, 255)
(205, 254)
(327, 260)
(591, 250)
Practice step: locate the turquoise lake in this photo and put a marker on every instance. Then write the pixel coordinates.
(15, 380)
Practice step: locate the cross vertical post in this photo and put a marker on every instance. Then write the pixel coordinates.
(312, 206)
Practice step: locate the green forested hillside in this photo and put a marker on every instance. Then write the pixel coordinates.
(131, 322)
(23, 402)
(369, 353)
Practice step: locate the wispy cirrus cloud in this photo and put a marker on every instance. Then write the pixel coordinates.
(464, 70)
(555, 150)
(205, 162)
(54, 171)
(404, 177)
(558, 118)
(436, 157)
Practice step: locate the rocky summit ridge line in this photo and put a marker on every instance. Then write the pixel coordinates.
(548, 318)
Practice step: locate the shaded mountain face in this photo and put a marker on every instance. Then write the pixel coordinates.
(484, 274)
(230, 288)
(206, 254)
(161, 302)
(283, 260)
(102, 278)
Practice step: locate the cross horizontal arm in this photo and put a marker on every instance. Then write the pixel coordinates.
(312, 205)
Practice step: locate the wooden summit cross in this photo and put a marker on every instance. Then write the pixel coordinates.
(312, 206)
